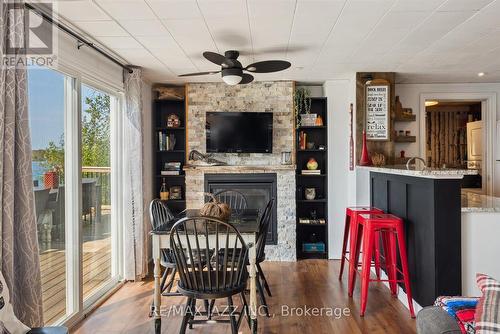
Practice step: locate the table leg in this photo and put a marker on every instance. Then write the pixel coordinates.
(157, 292)
(253, 289)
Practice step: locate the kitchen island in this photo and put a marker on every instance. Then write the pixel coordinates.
(429, 201)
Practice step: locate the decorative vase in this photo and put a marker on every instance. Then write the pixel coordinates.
(312, 164)
(310, 193)
(365, 156)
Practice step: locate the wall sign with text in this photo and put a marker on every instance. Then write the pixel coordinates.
(377, 112)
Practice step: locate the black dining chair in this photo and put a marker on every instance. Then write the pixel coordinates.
(222, 277)
(264, 221)
(160, 214)
(236, 201)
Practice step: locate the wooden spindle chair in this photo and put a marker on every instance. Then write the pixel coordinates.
(160, 214)
(236, 201)
(222, 277)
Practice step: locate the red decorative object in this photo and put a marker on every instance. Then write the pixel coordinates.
(302, 140)
(51, 180)
(351, 214)
(365, 156)
(391, 228)
(312, 164)
(351, 142)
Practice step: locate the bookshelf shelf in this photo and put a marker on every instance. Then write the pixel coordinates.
(173, 159)
(313, 233)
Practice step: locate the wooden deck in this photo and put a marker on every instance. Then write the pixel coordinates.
(96, 271)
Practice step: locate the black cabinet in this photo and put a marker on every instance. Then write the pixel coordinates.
(431, 210)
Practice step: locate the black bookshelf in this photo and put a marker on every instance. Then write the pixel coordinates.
(315, 232)
(161, 110)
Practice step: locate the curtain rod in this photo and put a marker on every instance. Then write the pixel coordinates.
(81, 41)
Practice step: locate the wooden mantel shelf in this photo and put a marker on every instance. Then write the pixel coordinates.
(240, 168)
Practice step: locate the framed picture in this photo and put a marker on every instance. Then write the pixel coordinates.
(377, 99)
(175, 192)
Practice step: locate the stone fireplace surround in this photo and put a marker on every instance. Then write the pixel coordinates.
(269, 96)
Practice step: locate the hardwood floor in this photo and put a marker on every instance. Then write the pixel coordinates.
(311, 283)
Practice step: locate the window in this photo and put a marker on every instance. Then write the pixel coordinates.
(47, 114)
(73, 149)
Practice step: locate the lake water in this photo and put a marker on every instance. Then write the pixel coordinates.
(38, 171)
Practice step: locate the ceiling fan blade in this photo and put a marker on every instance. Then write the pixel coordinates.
(268, 66)
(198, 73)
(214, 57)
(246, 78)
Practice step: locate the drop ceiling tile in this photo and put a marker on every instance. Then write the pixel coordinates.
(223, 8)
(175, 9)
(127, 10)
(80, 11)
(102, 28)
(464, 5)
(192, 35)
(120, 43)
(417, 6)
(144, 27)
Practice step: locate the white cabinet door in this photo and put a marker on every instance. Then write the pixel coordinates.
(475, 141)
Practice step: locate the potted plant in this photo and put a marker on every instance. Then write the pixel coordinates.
(303, 114)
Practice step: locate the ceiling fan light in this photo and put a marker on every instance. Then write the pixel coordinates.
(232, 76)
(232, 79)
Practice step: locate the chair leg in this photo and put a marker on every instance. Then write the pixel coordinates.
(172, 280)
(164, 279)
(193, 311)
(262, 296)
(232, 316)
(207, 308)
(388, 261)
(356, 238)
(377, 254)
(245, 308)
(404, 264)
(263, 277)
(368, 241)
(344, 246)
(186, 317)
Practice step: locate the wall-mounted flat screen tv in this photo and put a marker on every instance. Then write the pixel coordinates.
(239, 132)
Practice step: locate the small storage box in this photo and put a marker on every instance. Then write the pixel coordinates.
(317, 247)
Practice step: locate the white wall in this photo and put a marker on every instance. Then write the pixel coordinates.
(410, 98)
(341, 182)
(480, 248)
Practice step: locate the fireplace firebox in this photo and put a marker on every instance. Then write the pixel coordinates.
(257, 188)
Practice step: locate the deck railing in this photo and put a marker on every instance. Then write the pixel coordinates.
(103, 176)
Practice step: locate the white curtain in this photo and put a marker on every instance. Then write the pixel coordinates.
(135, 232)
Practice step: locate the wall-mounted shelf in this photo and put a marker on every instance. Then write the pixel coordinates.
(406, 139)
(405, 118)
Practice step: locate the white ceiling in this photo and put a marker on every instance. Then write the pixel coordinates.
(421, 40)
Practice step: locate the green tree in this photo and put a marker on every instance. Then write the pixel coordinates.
(95, 136)
(96, 131)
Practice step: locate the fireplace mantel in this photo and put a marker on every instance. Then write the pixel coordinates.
(240, 168)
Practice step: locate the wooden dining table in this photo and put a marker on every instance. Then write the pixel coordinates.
(247, 224)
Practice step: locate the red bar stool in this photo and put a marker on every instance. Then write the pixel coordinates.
(390, 227)
(351, 214)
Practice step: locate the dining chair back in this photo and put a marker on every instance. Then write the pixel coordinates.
(222, 276)
(265, 220)
(159, 213)
(236, 201)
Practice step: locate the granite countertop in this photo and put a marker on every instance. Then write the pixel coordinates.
(432, 173)
(472, 202)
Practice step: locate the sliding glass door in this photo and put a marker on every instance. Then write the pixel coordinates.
(73, 140)
(47, 90)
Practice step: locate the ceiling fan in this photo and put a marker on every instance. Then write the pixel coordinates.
(232, 70)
